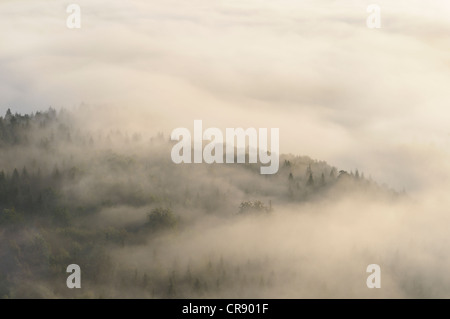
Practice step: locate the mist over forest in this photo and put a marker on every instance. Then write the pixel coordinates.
(140, 226)
(364, 170)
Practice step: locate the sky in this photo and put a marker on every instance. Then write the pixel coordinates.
(375, 100)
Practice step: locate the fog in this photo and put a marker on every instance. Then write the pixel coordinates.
(139, 225)
(372, 100)
(311, 68)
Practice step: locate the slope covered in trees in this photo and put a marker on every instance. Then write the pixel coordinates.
(114, 203)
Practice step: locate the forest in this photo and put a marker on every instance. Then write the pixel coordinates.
(140, 226)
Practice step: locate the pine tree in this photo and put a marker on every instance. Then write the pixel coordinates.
(333, 173)
(8, 115)
(15, 177)
(25, 175)
(308, 170)
(310, 181)
(322, 180)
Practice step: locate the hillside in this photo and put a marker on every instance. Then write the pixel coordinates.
(139, 225)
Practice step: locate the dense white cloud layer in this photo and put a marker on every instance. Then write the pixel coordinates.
(375, 100)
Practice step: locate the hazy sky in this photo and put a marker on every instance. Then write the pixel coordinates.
(372, 99)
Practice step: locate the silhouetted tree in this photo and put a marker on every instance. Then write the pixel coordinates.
(15, 177)
(161, 218)
(310, 181)
(25, 176)
(333, 173)
(322, 180)
(343, 173)
(308, 170)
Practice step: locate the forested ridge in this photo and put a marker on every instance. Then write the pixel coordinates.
(112, 202)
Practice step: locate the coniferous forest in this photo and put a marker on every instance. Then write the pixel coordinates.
(138, 225)
(224, 150)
